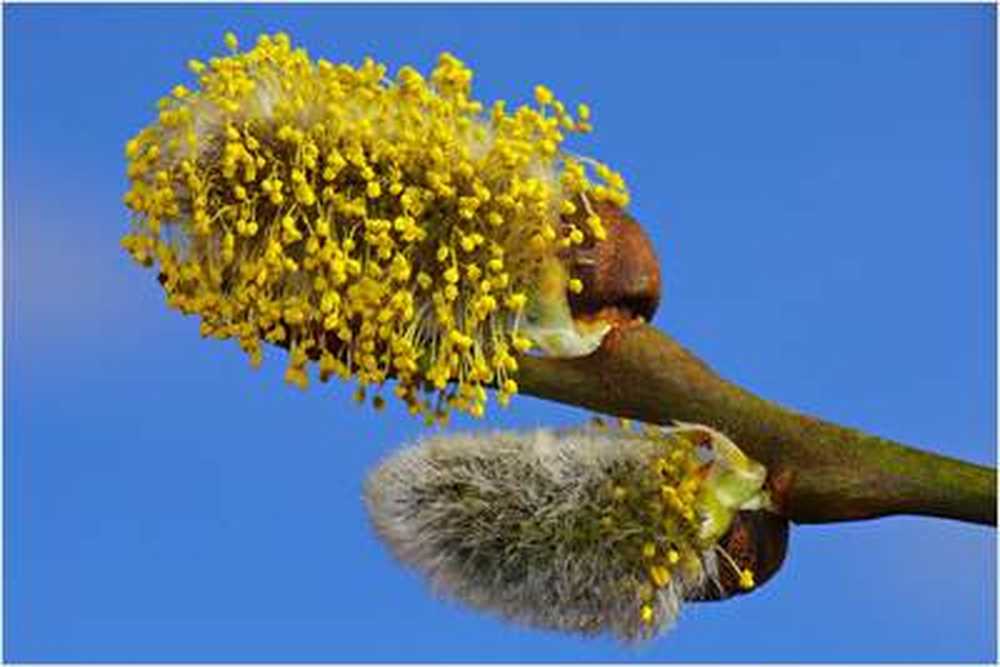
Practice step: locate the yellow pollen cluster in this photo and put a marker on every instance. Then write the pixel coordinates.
(665, 503)
(375, 227)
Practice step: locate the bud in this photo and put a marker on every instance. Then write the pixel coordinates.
(376, 227)
(621, 273)
(587, 530)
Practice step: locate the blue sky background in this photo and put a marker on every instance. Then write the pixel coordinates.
(819, 185)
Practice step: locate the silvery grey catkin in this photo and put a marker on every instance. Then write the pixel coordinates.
(586, 530)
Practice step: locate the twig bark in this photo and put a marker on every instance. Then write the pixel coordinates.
(818, 471)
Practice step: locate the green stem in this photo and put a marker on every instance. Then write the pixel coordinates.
(818, 471)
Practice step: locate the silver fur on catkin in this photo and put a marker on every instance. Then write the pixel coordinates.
(587, 530)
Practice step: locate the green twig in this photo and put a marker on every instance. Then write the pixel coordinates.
(818, 471)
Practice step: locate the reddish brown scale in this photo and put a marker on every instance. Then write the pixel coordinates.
(620, 275)
(756, 541)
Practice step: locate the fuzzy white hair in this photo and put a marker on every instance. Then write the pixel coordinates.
(505, 522)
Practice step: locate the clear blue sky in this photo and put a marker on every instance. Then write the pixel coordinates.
(819, 185)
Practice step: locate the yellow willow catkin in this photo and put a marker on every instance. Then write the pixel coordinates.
(585, 530)
(375, 227)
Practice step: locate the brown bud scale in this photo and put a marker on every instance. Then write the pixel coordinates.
(620, 273)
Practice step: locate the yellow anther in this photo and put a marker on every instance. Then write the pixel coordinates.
(660, 575)
(282, 189)
(522, 344)
(543, 95)
(646, 614)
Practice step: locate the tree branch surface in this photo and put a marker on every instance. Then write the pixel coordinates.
(818, 471)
